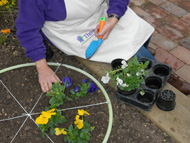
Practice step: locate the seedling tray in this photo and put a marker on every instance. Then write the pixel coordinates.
(158, 75)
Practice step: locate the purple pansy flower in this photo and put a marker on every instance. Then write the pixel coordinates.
(67, 82)
(85, 81)
(76, 89)
(92, 88)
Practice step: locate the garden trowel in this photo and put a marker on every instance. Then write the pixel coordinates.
(94, 45)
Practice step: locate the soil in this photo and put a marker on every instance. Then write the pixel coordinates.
(129, 125)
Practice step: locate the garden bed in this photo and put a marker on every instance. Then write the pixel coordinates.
(129, 124)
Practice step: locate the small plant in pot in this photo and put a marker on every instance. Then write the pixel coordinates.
(127, 75)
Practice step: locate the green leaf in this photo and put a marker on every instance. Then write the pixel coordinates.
(69, 99)
(52, 131)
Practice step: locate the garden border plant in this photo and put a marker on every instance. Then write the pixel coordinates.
(83, 72)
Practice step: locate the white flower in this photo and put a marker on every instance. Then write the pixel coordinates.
(138, 74)
(142, 92)
(119, 81)
(105, 79)
(142, 70)
(124, 64)
(128, 74)
(124, 85)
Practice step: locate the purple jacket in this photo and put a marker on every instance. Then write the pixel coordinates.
(33, 14)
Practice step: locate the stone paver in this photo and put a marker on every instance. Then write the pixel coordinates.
(176, 1)
(184, 73)
(186, 17)
(153, 46)
(178, 24)
(182, 53)
(165, 57)
(157, 2)
(185, 5)
(138, 2)
(173, 9)
(185, 42)
(154, 10)
(170, 32)
(141, 12)
(163, 42)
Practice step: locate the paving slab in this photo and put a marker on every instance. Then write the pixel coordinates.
(164, 56)
(182, 53)
(184, 73)
(173, 9)
(175, 123)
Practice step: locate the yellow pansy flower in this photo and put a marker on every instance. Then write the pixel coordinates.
(49, 113)
(4, 1)
(77, 117)
(59, 132)
(82, 112)
(80, 124)
(42, 120)
(63, 132)
(1, 3)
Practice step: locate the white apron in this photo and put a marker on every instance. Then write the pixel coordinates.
(74, 34)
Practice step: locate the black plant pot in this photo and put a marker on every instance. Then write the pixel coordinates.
(161, 70)
(166, 100)
(148, 97)
(115, 64)
(126, 92)
(153, 82)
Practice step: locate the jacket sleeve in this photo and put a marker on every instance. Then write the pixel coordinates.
(118, 7)
(29, 22)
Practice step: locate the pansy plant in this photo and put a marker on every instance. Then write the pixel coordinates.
(80, 132)
(81, 90)
(49, 119)
(57, 94)
(129, 75)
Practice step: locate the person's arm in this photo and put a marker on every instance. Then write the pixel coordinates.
(46, 75)
(117, 8)
(29, 21)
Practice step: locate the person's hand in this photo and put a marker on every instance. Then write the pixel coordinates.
(109, 25)
(46, 75)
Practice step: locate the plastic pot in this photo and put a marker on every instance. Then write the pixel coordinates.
(166, 100)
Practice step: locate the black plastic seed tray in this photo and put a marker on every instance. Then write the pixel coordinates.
(159, 73)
